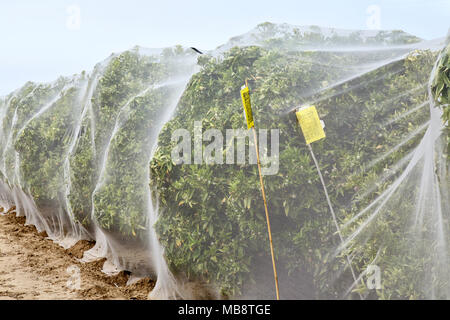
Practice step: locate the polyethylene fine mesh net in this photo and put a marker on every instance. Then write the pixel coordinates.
(91, 157)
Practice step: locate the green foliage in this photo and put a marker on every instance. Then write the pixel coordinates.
(42, 146)
(212, 218)
(109, 165)
(441, 88)
(123, 78)
(121, 201)
(294, 38)
(90, 139)
(21, 106)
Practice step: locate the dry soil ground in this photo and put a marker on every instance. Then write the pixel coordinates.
(34, 267)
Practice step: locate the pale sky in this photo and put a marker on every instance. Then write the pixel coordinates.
(41, 40)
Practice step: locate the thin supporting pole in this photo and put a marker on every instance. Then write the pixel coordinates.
(267, 214)
(333, 215)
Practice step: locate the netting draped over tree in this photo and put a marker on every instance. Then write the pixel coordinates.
(90, 157)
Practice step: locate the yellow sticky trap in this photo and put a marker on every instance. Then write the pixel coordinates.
(245, 94)
(309, 121)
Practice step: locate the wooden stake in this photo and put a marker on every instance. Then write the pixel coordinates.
(267, 214)
(252, 125)
(333, 215)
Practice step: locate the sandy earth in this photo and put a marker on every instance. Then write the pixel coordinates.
(34, 267)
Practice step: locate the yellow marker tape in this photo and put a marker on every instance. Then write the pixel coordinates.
(309, 121)
(245, 94)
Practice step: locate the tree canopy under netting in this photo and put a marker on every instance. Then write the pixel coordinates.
(91, 157)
